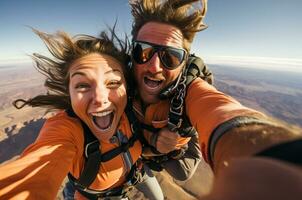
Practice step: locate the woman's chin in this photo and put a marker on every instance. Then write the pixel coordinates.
(104, 136)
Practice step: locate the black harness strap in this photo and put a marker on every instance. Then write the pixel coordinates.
(178, 120)
(91, 168)
(149, 128)
(186, 129)
(88, 136)
(197, 68)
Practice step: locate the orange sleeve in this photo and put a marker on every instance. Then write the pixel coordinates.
(40, 170)
(207, 108)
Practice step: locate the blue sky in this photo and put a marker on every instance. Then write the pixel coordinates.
(237, 28)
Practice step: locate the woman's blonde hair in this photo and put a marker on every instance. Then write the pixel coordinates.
(65, 50)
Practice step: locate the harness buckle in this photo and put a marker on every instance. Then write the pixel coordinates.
(90, 148)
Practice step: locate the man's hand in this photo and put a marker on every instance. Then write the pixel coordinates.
(167, 141)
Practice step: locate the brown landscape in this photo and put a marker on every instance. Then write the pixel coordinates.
(275, 93)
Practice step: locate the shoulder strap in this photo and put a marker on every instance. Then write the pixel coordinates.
(197, 68)
(88, 136)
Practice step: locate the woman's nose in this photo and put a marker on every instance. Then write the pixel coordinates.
(100, 95)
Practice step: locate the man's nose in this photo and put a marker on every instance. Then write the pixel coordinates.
(154, 65)
(100, 95)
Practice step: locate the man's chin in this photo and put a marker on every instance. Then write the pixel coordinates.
(149, 99)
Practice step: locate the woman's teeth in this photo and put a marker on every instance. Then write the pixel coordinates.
(101, 114)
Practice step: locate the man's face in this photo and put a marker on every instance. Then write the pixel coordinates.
(152, 76)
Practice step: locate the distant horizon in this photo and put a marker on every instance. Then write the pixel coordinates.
(263, 63)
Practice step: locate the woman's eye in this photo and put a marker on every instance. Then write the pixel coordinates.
(82, 86)
(114, 84)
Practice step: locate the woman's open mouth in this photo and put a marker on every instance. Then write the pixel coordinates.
(103, 120)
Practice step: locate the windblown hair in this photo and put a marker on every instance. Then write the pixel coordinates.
(65, 50)
(179, 13)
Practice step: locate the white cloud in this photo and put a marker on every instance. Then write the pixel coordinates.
(278, 64)
(15, 61)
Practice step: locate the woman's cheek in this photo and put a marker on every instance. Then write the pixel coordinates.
(121, 96)
(78, 103)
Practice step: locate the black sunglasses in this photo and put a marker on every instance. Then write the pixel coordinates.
(170, 57)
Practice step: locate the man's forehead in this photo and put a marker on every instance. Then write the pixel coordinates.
(161, 33)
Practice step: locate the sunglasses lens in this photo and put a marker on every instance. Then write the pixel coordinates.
(172, 58)
(142, 52)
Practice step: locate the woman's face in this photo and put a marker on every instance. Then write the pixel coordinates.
(97, 90)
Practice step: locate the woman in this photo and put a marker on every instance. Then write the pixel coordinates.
(86, 83)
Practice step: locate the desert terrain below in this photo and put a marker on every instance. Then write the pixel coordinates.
(275, 93)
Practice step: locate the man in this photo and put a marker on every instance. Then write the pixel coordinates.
(163, 32)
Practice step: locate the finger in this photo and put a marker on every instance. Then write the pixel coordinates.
(166, 148)
(169, 134)
(166, 142)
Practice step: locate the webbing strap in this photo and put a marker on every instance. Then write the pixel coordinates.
(194, 71)
(197, 68)
(88, 135)
(194, 68)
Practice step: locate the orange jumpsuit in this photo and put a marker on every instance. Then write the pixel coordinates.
(42, 167)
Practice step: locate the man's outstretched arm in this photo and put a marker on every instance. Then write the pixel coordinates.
(257, 178)
(249, 140)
